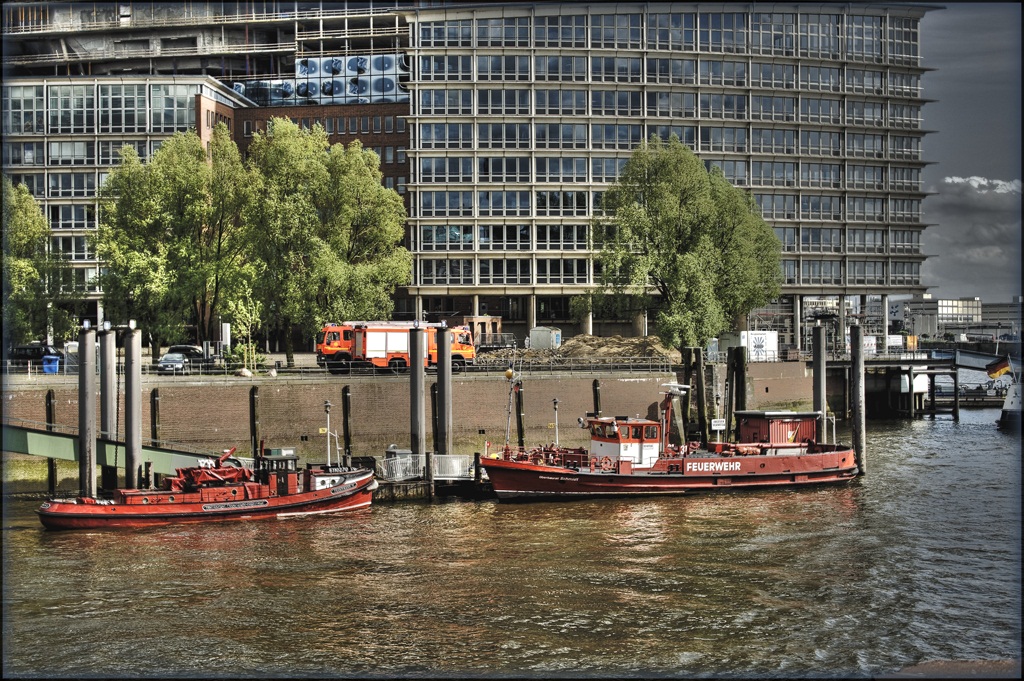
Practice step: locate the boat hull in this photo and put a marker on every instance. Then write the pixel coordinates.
(519, 480)
(1009, 418)
(159, 508)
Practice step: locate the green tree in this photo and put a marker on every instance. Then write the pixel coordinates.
(325, 235)
(681, 241)
(169, 234)
(37, 284)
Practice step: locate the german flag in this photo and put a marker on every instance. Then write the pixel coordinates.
(998, 368)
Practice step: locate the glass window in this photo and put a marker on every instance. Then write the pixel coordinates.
(819, 35)
(561, 102)
(123, 108)
(504, 237)
(446, 237)
(504, 202)
(450, 271)
(445, 102)
(673, 71)
(173, 107)
(503, 32)
(561, 169)
(559, 271)
(504, 135)
(772, 33)
(445, 136)
(616, 136)
(504, 102)
(555, 67)
(561, 135)
(561, 31)
(722, 31)
(503, 67)
(446, 169)
(72, 153)
(505, 271)
(562, 237)
(446, 33)
(72, 108)
(504, 168)
(620, 31)
(672, 31)
(23, 108)
(562, 202)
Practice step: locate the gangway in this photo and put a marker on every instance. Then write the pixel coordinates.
(965, 359)
(64, 446)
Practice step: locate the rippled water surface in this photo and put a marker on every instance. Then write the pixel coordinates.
(917, 560)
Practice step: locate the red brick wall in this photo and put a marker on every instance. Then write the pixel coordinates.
(215, 415)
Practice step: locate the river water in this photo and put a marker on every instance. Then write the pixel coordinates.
(918, 560)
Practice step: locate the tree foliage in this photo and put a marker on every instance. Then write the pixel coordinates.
(325, 235)
(169, 234)
(37, 285)
(682, 241)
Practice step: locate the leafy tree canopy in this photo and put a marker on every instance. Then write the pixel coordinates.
(37, 284)
(325, 235)
(684, 242)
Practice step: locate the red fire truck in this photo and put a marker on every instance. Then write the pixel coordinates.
(340, 346)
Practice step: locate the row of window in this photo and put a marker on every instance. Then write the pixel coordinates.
(570, 202)
(540, 271)
(627, 136)
(338, 125)
(820, 239)
(514, 102)
(567, 237)
(525, 169)
(776, 33)
(858, 272)
(103, 108)
(665, 70)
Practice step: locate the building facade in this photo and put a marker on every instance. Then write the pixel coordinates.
(504, 124)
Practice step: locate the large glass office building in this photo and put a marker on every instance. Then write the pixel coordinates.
(504, 123)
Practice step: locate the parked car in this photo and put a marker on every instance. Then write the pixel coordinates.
(174, 363)
(33, 352)
(194, 353)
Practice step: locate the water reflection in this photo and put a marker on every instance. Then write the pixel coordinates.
(917, 560)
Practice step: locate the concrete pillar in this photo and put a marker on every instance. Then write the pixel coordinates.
(885, 323)
(819, 380)
(417, 380)
(841, 331)
(87, 413)
(476, 305)
(858, 403)
(108, 384)
(798, 322)
(531, 313)
(132, 407)
(640, 324)
(444, 390)
(418, 300)
(588, 324)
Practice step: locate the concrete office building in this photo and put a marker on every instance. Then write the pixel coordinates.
(502, 124)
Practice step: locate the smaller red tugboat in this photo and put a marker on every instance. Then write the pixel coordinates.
(223, 490)
(632, 457)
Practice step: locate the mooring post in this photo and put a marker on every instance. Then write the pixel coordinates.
(857, 400)
(132, 407)
(741, 380)
(597, 397)
(519, 416)
(346, 424)
(417, 380)
(51, 463)
(818, 374)
(87, 411)
(109, 398)
(154, 434)
(956, 395)
(254, 420)
(477, 470)
(444, 391)
(702, 396)
(913, 398)
(730, 388)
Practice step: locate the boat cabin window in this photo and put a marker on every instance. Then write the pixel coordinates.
(650, 432)
(636, 432)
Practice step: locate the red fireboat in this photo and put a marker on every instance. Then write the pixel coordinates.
(222, 489)
(633, 457)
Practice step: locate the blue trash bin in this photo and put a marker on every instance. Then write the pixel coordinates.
(51, 364)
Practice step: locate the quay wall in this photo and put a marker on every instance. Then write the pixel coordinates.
(213, 414)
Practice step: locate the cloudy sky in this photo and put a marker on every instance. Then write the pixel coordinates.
(975, 150)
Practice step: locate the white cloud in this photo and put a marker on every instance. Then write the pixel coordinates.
(975, 233)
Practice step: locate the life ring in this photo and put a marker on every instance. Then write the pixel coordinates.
(607, 464)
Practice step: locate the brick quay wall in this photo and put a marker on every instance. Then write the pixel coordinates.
(212, 414)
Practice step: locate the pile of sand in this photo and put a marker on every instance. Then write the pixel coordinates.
(584, 346)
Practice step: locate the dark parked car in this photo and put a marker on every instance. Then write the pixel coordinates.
(33, 352)
(194, 353)
(174, 363)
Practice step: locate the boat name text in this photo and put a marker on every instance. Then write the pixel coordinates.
(712, 466)
(235, 504)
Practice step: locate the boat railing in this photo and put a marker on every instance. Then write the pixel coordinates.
(406, 466)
